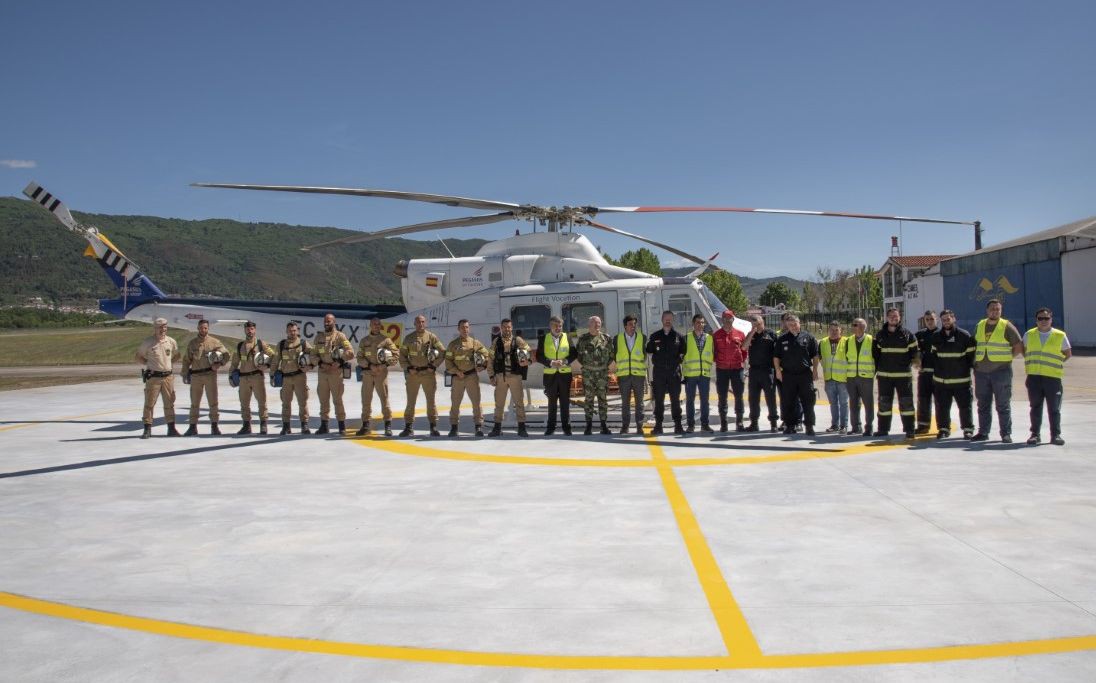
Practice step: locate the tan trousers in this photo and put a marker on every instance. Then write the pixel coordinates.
(330, 387)
(468, 384)
(253, 385)
(207, 382)
(375, 383)
(156, 387)
(511, 383)
(297, 385)
(429, 383)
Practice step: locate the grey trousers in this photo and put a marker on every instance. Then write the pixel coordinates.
(990, 388)
(861, 389)
(631, 389)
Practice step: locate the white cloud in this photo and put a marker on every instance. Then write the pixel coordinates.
(18, 163)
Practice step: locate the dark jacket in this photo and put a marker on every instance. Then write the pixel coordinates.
(924, 347)
(666, 349)
(954, 352)
(894, 352)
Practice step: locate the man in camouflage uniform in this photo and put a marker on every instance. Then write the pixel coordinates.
(508, 368)
(374, 374)
(420, 355)
(252, 381)
(595, 353)
(464, 358)
(293, 360)
(157, 353)
(200, 371)
(331, 351)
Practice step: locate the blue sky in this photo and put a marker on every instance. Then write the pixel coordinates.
(957, 110)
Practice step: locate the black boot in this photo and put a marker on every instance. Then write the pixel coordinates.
(605, 428)
(738, 426)
(304, 427)
(550, 429)
(364, 430)
(623, 428)
(722, 423)
(706, 428)
(147, 433)
(262, 427)
(388, 427)
(479, 430)
(325, 428)
(589, 427)
(214, 429)
(408, 430)
(192, 430)
(678, 429)
(285, 429)
(521, 429)
(245, 429)
(753, 427)
(453, 431)
(171, 431)
(434, 430)
(657, 428)
(639, 428)
(496, 430)
(342, 427)
(772, 426)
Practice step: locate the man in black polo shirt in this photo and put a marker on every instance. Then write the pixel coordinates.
(667, 348)
(761, 346)
(796, 361)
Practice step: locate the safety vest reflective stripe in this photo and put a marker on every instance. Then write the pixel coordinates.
(630, 364)
(894, 374)
(862, 365)
(832, 358)
(957, 354)
(552, 353)
(941, 380)
(1044, 359)
(889, 349)
(994, 348)
(697, 363)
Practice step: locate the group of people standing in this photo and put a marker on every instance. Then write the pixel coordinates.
(758, 363)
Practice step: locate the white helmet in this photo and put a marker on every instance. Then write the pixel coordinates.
(432, 354)
(385, 356)
(216, 357)
(480, 359)
(261, 358)
(303, 360)
(337, 353)
(523, 356)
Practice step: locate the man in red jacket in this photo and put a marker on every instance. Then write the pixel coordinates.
(730, 359)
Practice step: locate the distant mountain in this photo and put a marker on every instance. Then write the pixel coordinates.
(752, 286)
(40, 258)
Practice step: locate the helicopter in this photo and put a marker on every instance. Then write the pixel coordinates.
(528, 277)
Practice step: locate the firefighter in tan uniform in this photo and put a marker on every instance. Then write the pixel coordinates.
(291, 363)
(157, 353)
(376, 353)
(332, 352)
(420, 354)
(464, 358)
(508, 367)
(251, 358)
(205, 355)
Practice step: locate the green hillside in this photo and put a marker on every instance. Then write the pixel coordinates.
(40, 258)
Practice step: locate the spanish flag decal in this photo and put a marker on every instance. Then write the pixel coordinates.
(431, 281)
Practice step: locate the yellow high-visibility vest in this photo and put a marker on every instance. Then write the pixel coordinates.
(862, 365)
(833, 359)
(552, 353)
(698, 363)
(630, 363)
(1044, 359)
(995, 349)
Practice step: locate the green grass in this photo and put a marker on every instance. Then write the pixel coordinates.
(88, 346)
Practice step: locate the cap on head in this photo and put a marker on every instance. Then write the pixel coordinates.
(249, 323)
(159, 321)
(728, 315)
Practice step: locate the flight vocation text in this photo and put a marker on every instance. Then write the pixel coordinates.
(559, 298)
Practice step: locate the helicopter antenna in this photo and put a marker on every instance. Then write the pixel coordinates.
(451, 255)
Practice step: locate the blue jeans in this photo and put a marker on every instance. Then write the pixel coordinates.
(990, 388)
(838, 394)
(692, 384)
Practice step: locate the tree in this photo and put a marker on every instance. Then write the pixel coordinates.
(727, 289)
(810, 296)
(869, 289)
(642, 259)
(777, 293)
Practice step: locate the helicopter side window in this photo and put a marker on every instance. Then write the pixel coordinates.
(576, 317)
(530, 322)
(681, 305)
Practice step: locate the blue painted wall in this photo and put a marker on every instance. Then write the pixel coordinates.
(1021, 288)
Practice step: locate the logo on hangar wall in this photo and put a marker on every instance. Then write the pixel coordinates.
(987, 289)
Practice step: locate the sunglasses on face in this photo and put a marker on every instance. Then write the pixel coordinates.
(1043, 317)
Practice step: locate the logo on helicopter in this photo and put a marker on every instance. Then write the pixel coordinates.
(475, 279)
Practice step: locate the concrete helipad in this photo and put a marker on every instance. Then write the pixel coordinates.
(730, 557)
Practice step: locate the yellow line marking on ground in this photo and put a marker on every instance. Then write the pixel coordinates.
(541, 661)
(737, 636)
(37, 423)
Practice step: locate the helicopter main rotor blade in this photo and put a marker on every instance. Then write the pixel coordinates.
(793, 212)
(418, 227)
(673, 250)
(465, 202)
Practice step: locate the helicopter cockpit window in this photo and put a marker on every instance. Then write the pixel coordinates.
(576, 317)
(717, 306)
(530, 322)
